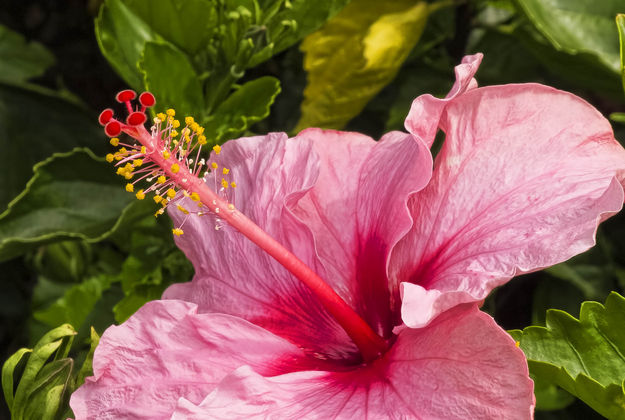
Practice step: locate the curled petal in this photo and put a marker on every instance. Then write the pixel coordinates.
(168, 351)
(426, 110)
(461, 366)
(525, 176)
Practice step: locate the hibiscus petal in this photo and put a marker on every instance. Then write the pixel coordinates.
(525, 176)
(166, 351)
(426, 110)
(462, 366)
(236, 277)
(357, 211)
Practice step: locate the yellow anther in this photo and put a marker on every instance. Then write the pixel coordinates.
(174, 133)
(122, 151)
(157, 198)
(161, 179)
(140, 195)
(187, 138)
(177, 231)
(120, 171)
(214, 165)
(194, 126)
(201, 140)
(175, 142)
(110, 157)
(226, 171)
(200, 130)
(128, 167)
(143, 150)
(171, 112)
(130, 187)
(217, 149)
(224, 183)
(195, 196)
(114, 141)
(175, 123)
(182, 209)
(517, 343)
(118, 156)
(189, 120)
(175, 168)
(166, 154)
(233, 185)
(137, 162)
(161, 116)
(171, 193)
(128, 175)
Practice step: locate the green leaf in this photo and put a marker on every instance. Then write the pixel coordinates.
(189, 24)
(76, 304)
(578, 26)
(19, 60)
(246, 106)
(33, 125)
(121, 36)
(87, 366)
(12, 364)
(582, 69)
(72, 195)
(39, 381)
(169, 75)
(620, 25)
(585, 357)
(49, 394)
(355, 55)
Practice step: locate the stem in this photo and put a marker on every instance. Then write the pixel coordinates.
(370, 344)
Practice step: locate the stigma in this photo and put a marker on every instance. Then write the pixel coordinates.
(166, 159)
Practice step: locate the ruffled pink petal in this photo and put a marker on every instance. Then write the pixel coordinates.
(462, 366)
(526, 174)
(168, 351)
(357, 211)
(236, 277)
(426, 110)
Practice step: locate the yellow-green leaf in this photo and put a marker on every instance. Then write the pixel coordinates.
(355, 55)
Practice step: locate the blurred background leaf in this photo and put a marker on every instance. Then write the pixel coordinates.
(21, 60)
(355, 55)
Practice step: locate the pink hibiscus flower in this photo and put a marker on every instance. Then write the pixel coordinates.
(525, 175)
